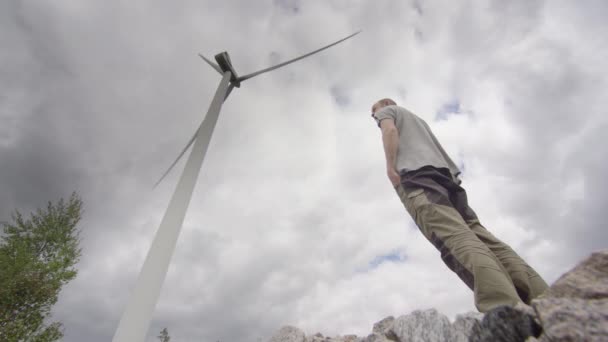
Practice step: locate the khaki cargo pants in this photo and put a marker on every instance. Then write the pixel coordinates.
(495, 273)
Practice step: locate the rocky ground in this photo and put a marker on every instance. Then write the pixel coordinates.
(575, 308)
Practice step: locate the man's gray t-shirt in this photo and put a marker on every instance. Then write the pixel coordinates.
(418, 146)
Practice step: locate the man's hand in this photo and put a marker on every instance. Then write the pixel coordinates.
(394, 177)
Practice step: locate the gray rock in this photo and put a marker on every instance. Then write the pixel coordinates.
(427, 326)
(288, 334)
(463, 325)
(384, 325)
(575, 307)
(346, 338)
(573, 319)
(318, 337)
(525, 308)
(505, 324)
(588, 280)
(384, 328)
(375, 337)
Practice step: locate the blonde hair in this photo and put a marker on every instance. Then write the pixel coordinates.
(387, 102)
(383, 103)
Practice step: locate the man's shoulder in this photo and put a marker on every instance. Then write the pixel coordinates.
(391, 110)
(396, 110)
(400, 115)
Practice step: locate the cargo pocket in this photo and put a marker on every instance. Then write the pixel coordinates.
(413, 200)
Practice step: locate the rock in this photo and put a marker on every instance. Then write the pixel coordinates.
(347, 338)
(375, 337)
(588, 280)
(525, 308)
(463, 325)
(505, 324)
(574, 319)
(318, 337)
(428, 326)
(384, 325)
(288, 334)
(383, 328)
(575, 307)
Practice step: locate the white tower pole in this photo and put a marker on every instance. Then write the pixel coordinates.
(135, 321)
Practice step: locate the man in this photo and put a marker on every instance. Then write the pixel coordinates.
(427, 182)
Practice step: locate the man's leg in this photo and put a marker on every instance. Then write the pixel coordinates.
(528, 283)
(461, 250)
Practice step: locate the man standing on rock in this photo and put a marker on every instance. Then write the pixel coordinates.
(427, 182)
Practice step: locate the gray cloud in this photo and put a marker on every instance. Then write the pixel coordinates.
(292, 202)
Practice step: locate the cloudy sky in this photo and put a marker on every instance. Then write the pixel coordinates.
(293, 220)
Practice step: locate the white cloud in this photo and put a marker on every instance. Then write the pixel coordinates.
(293, 201)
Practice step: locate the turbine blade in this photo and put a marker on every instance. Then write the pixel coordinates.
(228, 91)
(213, 65)
(176, 160)
(242, 78)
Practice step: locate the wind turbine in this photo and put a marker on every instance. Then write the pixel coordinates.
(135, 320)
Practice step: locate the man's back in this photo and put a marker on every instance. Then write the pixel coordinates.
(418, 146)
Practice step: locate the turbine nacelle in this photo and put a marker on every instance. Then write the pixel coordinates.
(223, 61)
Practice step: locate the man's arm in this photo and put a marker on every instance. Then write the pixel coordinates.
(390, 139)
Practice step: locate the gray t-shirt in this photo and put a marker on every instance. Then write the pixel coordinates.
(418, 146)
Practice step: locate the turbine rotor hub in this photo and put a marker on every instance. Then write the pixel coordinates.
(223, 60)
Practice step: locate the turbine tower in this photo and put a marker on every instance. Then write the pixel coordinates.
(135, 320)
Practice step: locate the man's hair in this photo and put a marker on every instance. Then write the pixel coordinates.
(384, 102)
(387, 102)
